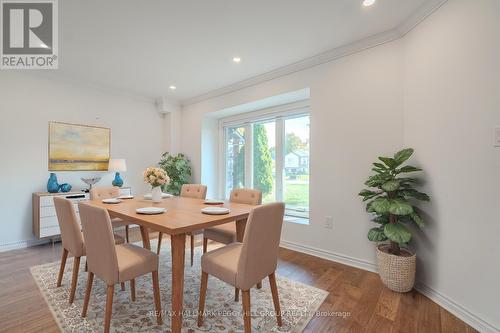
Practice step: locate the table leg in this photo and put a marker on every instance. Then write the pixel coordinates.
(145, 238)
(177, 243)
(240, 229)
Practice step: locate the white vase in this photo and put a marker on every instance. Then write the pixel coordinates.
(156, 194)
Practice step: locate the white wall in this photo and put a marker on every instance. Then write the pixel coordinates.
(452, 105)
(436, 90)
(27, 104)
(355, 115)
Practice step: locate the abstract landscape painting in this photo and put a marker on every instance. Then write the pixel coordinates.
(78, 147)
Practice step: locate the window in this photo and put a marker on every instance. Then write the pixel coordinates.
(269, 151)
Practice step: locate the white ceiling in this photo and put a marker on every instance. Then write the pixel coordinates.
(143, 47)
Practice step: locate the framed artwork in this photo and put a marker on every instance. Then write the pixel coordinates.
(78, 147)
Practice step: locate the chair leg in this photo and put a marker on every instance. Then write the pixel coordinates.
(156, 294)
(74, 279)
(259, 285)
(160, 236)
(109, 308)
(205, 244)
(192, 249)
(236, 294)
(246, 310)
(61, 269)
(126, 234)
(122, 286)
(132, 290)
(203, 294)
(90, 279)
(86, 266)
(276, 300)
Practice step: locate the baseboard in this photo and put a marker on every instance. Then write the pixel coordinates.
(456, 309)
(22, 244)
(340, 258)
(445, 302)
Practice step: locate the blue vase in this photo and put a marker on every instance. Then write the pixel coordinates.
(52, 185)
(118, 181)
(65, 187)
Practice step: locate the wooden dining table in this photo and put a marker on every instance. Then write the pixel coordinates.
(183, 215)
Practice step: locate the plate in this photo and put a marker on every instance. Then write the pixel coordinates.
(126, 197)
(111, 201)
(150, 210)
(215, 210)
(149, 196)
(213, 202)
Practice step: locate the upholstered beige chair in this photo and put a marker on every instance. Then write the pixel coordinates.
(100, 193)
(72, 240)
(195, 191)
(114, 263)
(226, 233)
(242, 265)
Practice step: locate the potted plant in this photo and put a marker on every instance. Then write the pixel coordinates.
(178, 168)
(390, 199)
(157, 178)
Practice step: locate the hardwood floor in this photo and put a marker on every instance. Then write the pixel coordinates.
(360, 301)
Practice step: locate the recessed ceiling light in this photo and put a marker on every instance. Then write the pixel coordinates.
(173, 87)
(237, 60)
(368, 3)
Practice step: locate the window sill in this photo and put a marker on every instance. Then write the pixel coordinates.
(297, 220)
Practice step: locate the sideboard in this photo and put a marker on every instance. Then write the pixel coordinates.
(45, 223)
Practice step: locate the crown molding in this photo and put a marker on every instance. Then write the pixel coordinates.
(391, 35)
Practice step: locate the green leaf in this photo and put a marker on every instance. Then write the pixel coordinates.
(380, 166)
(381, 205)
(417, 219)
(403, 155)
(411, 193)
(399, 207)
(390, 162)
(377, 234)
(409, 168)
(382, 219)
(367, 194)
(397, 232)
(391, 185)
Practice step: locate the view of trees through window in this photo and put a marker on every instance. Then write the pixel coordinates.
(293, 187)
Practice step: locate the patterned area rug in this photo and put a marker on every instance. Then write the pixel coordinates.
(298, 302)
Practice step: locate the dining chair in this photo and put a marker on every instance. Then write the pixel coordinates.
(195, 191)
(226, 233)
(101, 193)
(72, 241)
(242, 265)
(114, 263)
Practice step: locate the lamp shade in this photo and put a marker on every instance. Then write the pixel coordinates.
(117, 165)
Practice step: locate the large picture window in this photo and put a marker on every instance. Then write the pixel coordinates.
(270, 152)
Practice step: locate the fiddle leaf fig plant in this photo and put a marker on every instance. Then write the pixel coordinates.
(390, 198)
(178, 168)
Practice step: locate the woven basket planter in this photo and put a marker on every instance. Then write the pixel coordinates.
(397, 272)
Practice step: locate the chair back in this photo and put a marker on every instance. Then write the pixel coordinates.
(99, 242)
(259, 254)
(69, 224)
(196, 191)
(246, 196)
(100, 193)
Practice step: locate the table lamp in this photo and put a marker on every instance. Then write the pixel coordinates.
(117, 165)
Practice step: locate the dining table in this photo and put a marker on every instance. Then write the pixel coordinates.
(182, 215)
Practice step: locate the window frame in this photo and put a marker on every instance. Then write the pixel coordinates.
(279, 114)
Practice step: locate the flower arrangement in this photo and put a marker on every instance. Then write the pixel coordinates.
(155, 177)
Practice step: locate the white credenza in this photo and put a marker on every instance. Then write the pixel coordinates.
(45, 223)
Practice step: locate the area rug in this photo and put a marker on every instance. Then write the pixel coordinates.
(299, 302)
